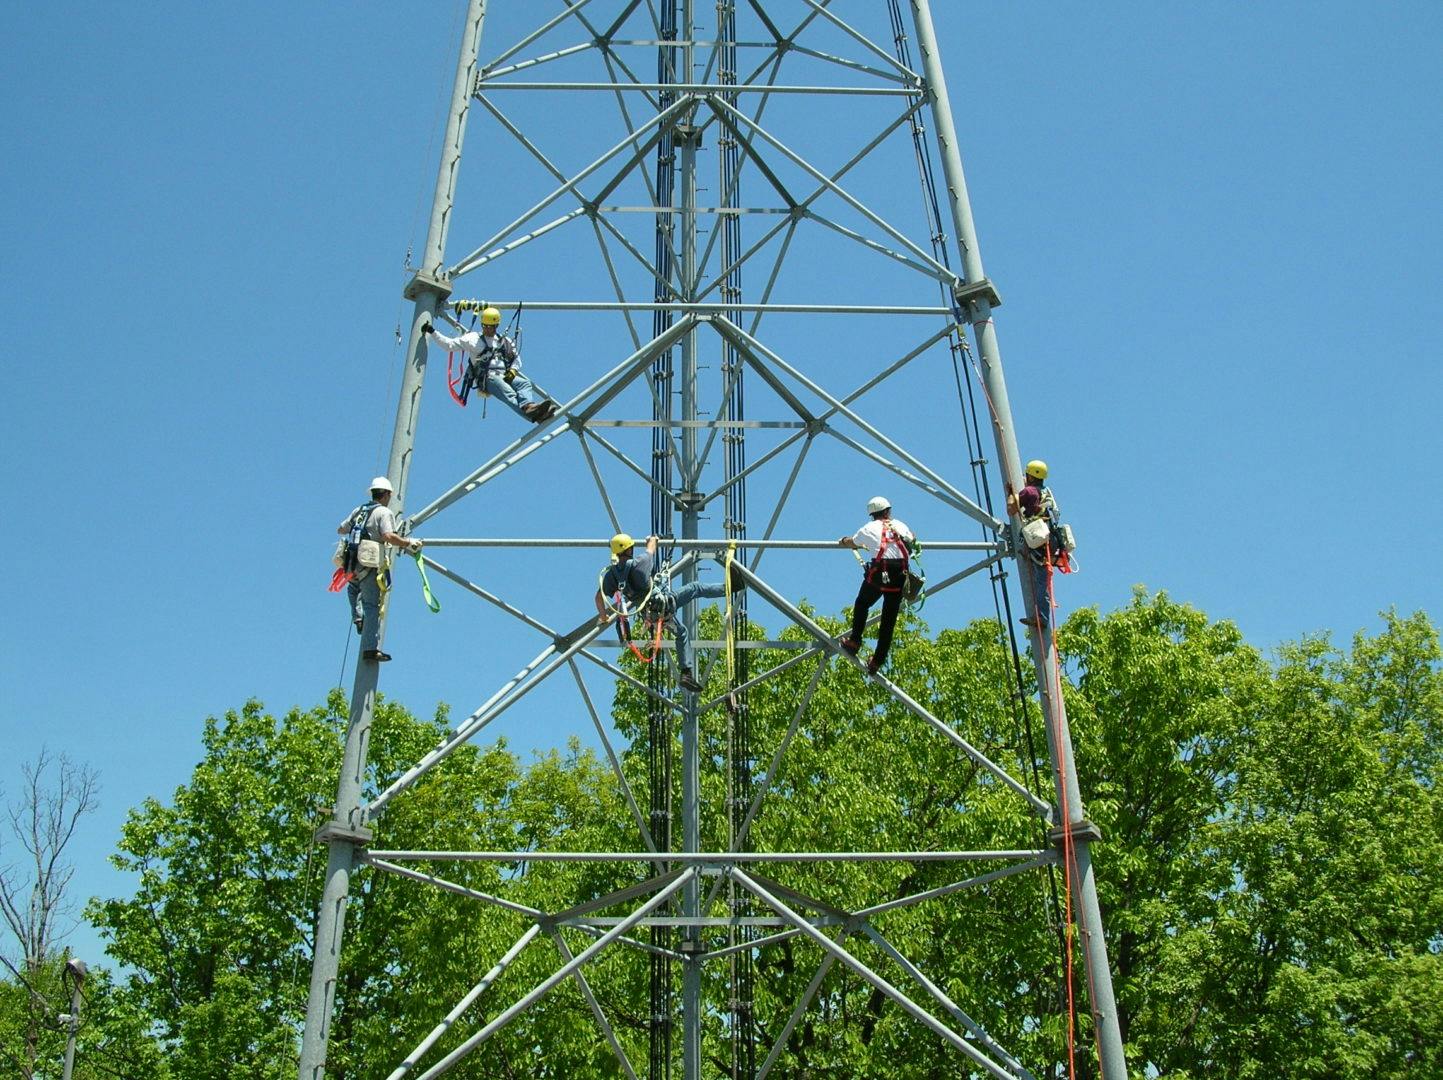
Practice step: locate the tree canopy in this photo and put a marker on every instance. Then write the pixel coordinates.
(1270, 872)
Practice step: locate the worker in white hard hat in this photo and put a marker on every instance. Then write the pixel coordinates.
(630, 575)
(493, 366)
(889, 540)
(370, 529)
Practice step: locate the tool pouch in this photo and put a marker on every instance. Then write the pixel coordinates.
(368, 554)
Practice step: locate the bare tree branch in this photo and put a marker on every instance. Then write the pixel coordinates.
(43, 820)
(34, 903)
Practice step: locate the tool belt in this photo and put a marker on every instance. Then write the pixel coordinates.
(886, 575)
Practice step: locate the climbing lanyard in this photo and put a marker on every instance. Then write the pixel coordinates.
(431, 601)
(654, 626)
(460, 375)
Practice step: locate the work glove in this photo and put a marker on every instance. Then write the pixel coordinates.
(414, 546)
(425, 328)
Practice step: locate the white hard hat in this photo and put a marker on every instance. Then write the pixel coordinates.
(878, 503)
(380, 483)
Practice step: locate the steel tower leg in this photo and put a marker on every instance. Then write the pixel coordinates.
(977, 305)
(345, 834)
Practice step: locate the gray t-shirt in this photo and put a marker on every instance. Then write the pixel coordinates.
(380, 521)
(632, 576)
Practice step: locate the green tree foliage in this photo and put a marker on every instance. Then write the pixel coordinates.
(217, 932)
(1269, 877)
(112, 1040)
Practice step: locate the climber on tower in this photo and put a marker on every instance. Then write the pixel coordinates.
(635, 577)
(493, 366)
(365, 564)
(885, 576)
(1048, 541)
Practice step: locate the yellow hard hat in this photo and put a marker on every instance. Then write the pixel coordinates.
(1037, 469)
(621, 543)
(490, 317)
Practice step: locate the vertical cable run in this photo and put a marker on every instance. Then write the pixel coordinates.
(739, 742)
(659, 733)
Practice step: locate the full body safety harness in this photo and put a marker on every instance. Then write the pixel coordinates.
(462, 378)
(877, 575)
(651, 610)
(1054, 552)
(347, 566)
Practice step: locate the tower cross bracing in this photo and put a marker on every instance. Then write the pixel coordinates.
(700, 209)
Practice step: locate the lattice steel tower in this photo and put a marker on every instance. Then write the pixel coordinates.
(738, 198)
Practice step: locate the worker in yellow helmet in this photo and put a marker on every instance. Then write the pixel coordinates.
(493, 366)
(1048, 543)
(630, 574)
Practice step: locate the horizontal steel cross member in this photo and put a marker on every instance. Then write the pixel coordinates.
(717, 307)
(698, 544)
(709, 857)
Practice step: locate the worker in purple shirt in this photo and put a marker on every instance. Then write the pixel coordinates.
(1037, 511)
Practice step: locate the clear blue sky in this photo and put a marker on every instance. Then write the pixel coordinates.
(1215, 228)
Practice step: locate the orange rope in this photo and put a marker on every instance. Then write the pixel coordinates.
(1068, 857)
(1068, 852)
(625, 627)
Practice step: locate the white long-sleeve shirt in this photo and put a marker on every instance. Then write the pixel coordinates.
(497, 352)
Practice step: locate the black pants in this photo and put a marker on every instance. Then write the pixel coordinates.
(890, 592)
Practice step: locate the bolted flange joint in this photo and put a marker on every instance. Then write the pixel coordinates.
(423, 282)
(1084, 832)
(972, 295)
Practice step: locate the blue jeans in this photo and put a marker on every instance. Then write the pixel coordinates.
(365, 597)
(1038, 576)
(514, 394)
(681, 597)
